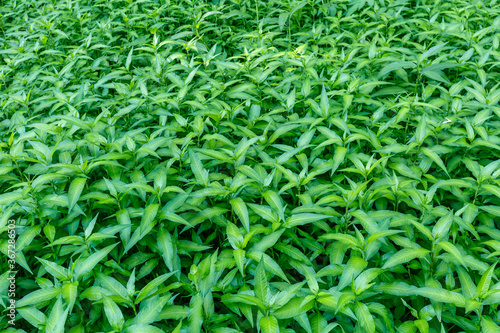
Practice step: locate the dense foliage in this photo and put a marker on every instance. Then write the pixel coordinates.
(251, 166)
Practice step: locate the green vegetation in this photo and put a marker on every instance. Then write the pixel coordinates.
(251, 166)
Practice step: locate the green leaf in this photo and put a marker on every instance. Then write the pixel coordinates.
(365, 318)
(269, 324)
(54, 269)
(200, 173)
(166, 247)
(33, 316)
(338, 158)
(442, 226)
(484, 283)
(274, 200)
(452, 249)
(346, 239)
(195, 313)
(302, 219)
(403, 256)
(381, 234)
(241, 211)
(148, 216)
(150, 312)
(178, 328)
(151, 286)
(113, 313)
(112, 285)
(434, 157)
(395, 66)
(89, 263)
(265, 212)
(74, 192)
(442, 295)
(129, 58)
(239, 258)
(354, 266)
(8, 198)
(270, 264)
(492, 189)
(468, 286)
(39, 296)
(432, 51)
(124, 219)
(55, 315)
(260, 283)
(368, 223)
(420, 134)
(488, 325)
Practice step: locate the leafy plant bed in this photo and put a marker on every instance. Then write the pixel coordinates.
(249, 166)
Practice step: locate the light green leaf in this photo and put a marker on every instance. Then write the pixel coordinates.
(365, 318)
(241, 211)
(452, 249)
(484, 283)
(488, 325)
(54, 269)
(39, 296)
(442, 295)
(354, 266)
(195, 313)
(148, 216)
(368, 223)
(274, 200)
(148, 289)
(302, 219)
(55, 315)
(269, 324)
(166, 247)
(260, 283)
(113, 313)
(75, 189)
(403, 256)
(442, 226)
(200, 173)
(434, 157)
(88, 264)
(8, 198)
(33, 316)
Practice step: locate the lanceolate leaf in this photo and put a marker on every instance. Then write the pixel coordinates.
(354, 266)
(442, 295)
(452, 249)
(113, 313)
(75, 189)
(260, 283)
(39, 296)
(199, 172)
(166, 246)
(85, 266)
(484, 283)
(365, 319)
(195, 313)
(33, 316)
(304, 218)
(146, 291)
(241, 211)
(488, 325)
(269, 324)
(404, 256)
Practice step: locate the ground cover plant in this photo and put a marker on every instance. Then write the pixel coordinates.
(250, 166)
